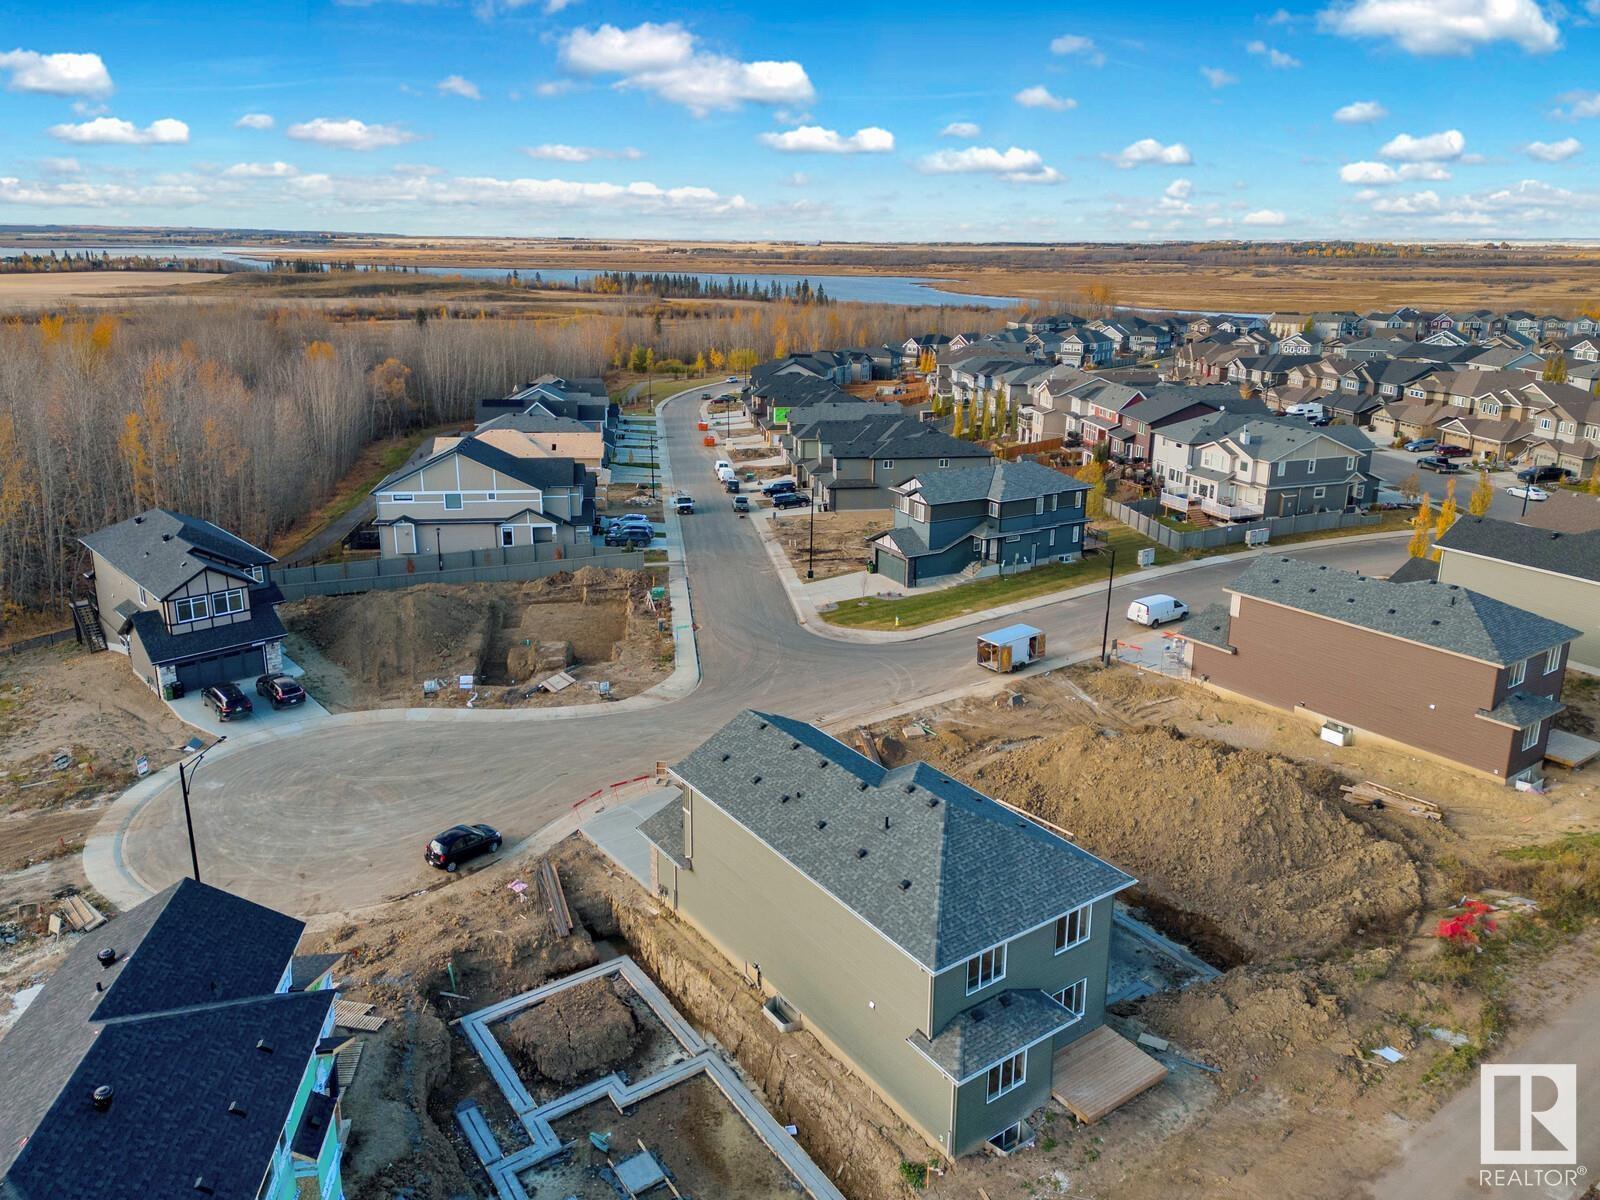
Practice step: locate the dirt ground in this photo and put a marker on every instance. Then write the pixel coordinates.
(28, 291)
(841, 540)
(1323, 915)
(376, 649)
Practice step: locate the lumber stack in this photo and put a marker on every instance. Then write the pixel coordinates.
(1368, 794)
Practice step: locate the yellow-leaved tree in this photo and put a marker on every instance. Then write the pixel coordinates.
(1482, 495)
(1446, 518)
(1422, 529)
(1094, 474)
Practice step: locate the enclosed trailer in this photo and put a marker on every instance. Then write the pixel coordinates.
(1007, 649)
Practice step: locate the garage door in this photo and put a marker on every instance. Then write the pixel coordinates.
(202, 672)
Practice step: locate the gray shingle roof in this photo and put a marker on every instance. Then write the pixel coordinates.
(976, 873)
(1431, 614)
(1575, 554)
(189, 948)
(1270, 437)
(161, 550)
(163, 646)
(535, 472)
(1210, 626)
(980, 1036)
(1000, 481)
(535, 423)
(1522, 709)
(665, 830)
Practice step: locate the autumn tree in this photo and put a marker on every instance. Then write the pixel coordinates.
(1422, 530)
(1482, 497)
(1447, 516)
(1093, 473)
(1555, 369)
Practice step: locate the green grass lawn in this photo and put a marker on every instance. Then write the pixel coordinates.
(876, 612)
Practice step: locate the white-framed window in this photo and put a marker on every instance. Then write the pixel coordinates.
(1074, 998)
(257, 573)
(230, 601)
(191, 608)
(986, 968)
(508, 535)
(1076, 530)
(1283, 469)
(1350, 463)
(944, 462)
(401, 497)
(1072, 929)
(452, 500)
(1530, 735)
(1038, 506)
(1318, 493)
(144, 597)
(1552, 660)
(1517, 673)
(490, 496)
(1052, 537)
(888, 464)
(1007, 1076)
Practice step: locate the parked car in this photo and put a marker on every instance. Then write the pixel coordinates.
(731, 486)
(631, 519)
(683, 505)
(1528, 491)
(1418, 445)
(777, 486)
(459, 844)
(281, 690)
(1310, 410)
(227, 701)
(628, 535)
(1453, 452)
(790, 499)
(1157, 610)
(705, 395)
(731, 379)
(741, 504)
(1319, 422)
(721, 465)
(1433, 462)
(1546, 474)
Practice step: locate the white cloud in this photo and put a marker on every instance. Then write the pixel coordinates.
(665, 59)
(107, 131)
(255, 121)
(271, 170)
(1370, 173)
(98, 195)
(967, 129)
(56, 74)
(554, 87)
(1359, 112)
(1040, 96)
(1218, 78)
(560, 152)
(1433, 147)
(1263, 216)
(1013, 164)
(1281, 16)
(61, 166)
(1148, 151)
(814, 139)
(1446, 26)
(1274, 57)
(1408, 205)
(347, 133)
(365, 193)
(1579, 104)
(455, 85)
(1078, 46)
(1179, 189)
(1554, 152)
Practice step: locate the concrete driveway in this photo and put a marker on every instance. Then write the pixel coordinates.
(1393, 466)
(361, 792)
(192, 710)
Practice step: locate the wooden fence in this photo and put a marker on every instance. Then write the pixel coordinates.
(1140, 516)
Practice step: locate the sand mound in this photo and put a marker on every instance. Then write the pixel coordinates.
(1246, 852)
(407, 635)
(576, 1033)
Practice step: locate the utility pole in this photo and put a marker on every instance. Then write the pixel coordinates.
(186, 772)
(811, 557)
(1105, 629)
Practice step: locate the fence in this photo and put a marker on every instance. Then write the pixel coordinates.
(515, 564)
(34, 643)
(1140, 517)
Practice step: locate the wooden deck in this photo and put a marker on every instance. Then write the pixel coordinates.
(1100, 1072)
(1569, 750)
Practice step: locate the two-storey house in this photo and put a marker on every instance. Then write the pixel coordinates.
(189, 603)
(1166, 404)
(940, 944)
(1002, 516)
(182, 1049)
(1431, 666)
(473, 495)
(860, 469)
(1086, 348)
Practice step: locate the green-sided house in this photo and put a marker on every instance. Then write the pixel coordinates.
(940, 943)
(182, 1050)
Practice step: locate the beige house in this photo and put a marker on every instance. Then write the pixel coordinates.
(474, 495)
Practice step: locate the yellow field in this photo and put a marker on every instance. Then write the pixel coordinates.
(30, 291)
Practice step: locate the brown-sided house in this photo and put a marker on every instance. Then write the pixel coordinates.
(1456, 674)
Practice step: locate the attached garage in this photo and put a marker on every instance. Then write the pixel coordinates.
(219, 668)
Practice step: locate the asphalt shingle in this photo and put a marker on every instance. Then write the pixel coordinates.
(985, 1034)
(1575, 554)
(161, 550)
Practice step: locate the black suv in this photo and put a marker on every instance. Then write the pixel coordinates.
(790, 500)
(227, 701)
(1545, 474)
(460, 843)
(281, 690)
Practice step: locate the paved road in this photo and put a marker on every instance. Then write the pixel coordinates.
(336, 817)
(1393, 466)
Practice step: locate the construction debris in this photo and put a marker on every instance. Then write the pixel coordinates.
(555, 899)
(353, 1015)
(79, 915)
(1375, 795)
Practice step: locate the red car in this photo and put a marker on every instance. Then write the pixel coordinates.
(1453, 452)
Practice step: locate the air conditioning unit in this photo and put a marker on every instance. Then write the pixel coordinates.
(1339, 735)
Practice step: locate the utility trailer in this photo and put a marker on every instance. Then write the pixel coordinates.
(1011, 648)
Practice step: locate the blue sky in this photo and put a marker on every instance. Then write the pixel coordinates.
(1437, 119)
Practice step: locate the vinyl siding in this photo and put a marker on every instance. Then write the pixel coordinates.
(1564, 598)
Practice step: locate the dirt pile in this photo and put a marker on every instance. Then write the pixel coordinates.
(574, 1034)
(1246, 852)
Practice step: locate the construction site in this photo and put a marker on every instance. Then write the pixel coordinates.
(593, 635)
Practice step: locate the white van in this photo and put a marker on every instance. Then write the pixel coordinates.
(720, 466)
(1157, 610)
(726, 475)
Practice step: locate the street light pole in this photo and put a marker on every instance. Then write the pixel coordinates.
(1105, 630)
(811, 555)
(186, 772)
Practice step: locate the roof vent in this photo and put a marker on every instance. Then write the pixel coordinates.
(755, 779)
(763, 725)
(976, 1014)
(1391, 612)
(886, 824)
(794, 745)
(862, 852)
(1435, 621)
(264, 1046)
(166, 537)
(204, 1186)
(861, 787)
(1004, 999)
(822, 825)
(905, 885)
(725, 757)
(783, 799)
(235, 1109)
(138, 520)
(910, 788)
(933, 802)
(106, 957)
(101, 1097)
(822, 762)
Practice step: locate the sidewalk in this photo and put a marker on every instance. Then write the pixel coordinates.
(804, 601)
